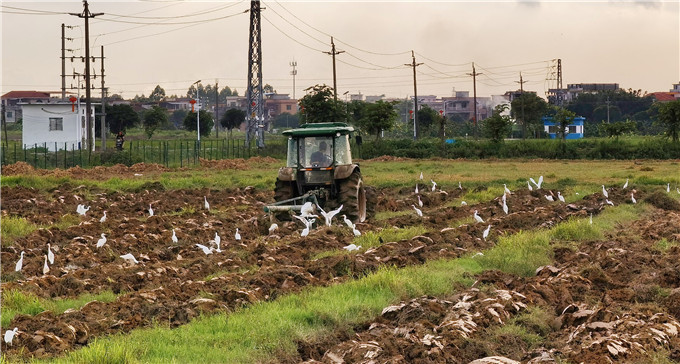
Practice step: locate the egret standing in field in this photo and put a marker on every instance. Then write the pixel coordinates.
(102, 241)
(103, 219)
(434, 185)
(530, 188)
(549, 198)
(307, 210)
(206, 205)
(604, 192)
(421, 176)
(463, 203)
(505, 205)
(46, 268)
(150, 211)
(50, 255)
(609, 202)
(477, 217)
(417, 189)
(347, 221)
(632, 197)
(218, 241)
(174, 236)
(420, 202)
(205, 249)
(418, 211)
(237, 236)
(273, 227)
(9, 336)
(505, 187)
(486, 232)
(591, 218)
(560, 197)
(460, 187)
(626, 184)
(668, 188)
(20, 263)
(308, 224)
(130, 258)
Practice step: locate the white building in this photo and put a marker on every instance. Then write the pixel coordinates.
(50, 123)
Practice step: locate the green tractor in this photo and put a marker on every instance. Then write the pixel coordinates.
(319, 169)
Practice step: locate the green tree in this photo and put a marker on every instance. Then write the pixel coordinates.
(563, 118)
(286, 121)
(319, 106)
(121, 117)
(669, 117)
(232, 119)
(158, 94)
(498, 126)
(356, 111)
(534, 108)
(154, 118)
(267, 88)
(600, 113)
(177, 117)
(378, 116)
(616, 129)
(427, 118)
(206, 122)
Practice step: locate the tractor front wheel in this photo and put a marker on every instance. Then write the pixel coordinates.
(352, 195)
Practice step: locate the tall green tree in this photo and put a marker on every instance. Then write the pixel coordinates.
(158, 94)
(206, 122)
(498, 126)
(177, 117)
(534, 108)
(153, 119)
(319, 106)
(379, 116)
(286, 120)
(121, 117)
(427, 118)
(563, 118)
(233, 118)
(669, 117)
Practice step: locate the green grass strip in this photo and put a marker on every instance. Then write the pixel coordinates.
(15, 302)
(269, 330)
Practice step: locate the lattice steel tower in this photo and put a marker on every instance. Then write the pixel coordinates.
(255, 115)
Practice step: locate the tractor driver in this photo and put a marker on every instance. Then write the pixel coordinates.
(320, 158)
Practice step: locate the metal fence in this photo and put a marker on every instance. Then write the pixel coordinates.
(170, 153)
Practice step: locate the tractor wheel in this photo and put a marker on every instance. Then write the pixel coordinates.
(371, 202)
(283, 190)
(352, 195)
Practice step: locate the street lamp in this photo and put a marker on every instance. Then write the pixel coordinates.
(198, 115)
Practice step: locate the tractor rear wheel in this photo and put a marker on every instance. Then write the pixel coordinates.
(352, 195)
(283, 190)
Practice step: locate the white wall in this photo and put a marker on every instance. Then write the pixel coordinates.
(36, 126)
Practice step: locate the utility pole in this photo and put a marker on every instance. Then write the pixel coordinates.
(217, 109)
(474, 75)
(608, 102)
(333, 52)
(521, 95)
(63, 61)
(415, 95)
(88, 103)
(255, 111)
(293, 73)
(560, 97)
(102, 119)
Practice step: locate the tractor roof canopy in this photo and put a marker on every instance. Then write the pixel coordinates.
(319, 129)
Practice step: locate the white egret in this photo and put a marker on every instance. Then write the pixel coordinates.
(102, 241)
(460, 187)
(591, 218)
(549, 198)
(416, 188)
(477, 217)
(130, 258)
(486, 232)
(352, 247)
(355, 231)
(632, 197)
(273, 227)
(668, 187)
(82, 210)
(540, 181)
(421, 176)
(506, 189)
(677, 189)
(609, 202)
(150, 210)
(505, 206)
(307, 210)
(237, 236)
(418, 211)
(463, 203)
(50, 255)
(103, 219)
(560, 197)
(218, 241)
(434, 185)
(9, 335)
(206, 205)
(205, 249)
(20, 263)
(420, 202)
(348, 222)
(46, 268)
(530, 188)
(328, 216)
(604, 192)
(626, 184)
(174, 236)
(307, 223)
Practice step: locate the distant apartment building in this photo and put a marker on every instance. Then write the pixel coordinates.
(573, 90)
(460, 106)
(277, 104)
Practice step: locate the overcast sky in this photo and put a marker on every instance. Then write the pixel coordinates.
(635, 44)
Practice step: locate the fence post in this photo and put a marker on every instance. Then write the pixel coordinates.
(45, 155)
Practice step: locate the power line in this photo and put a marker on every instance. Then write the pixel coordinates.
(35, 11)
(177, 16)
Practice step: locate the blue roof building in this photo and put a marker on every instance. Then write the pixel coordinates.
(575, 128)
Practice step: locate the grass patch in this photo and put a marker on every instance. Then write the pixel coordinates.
(664, 245)
(14, 227)
(384, 215)
(532, 340)
(16, 302)
(372, 239)
(519, 253)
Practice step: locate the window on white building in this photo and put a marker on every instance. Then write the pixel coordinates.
(56, 124)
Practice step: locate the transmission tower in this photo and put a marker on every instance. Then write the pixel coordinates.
(560, 97)
(254, 93)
